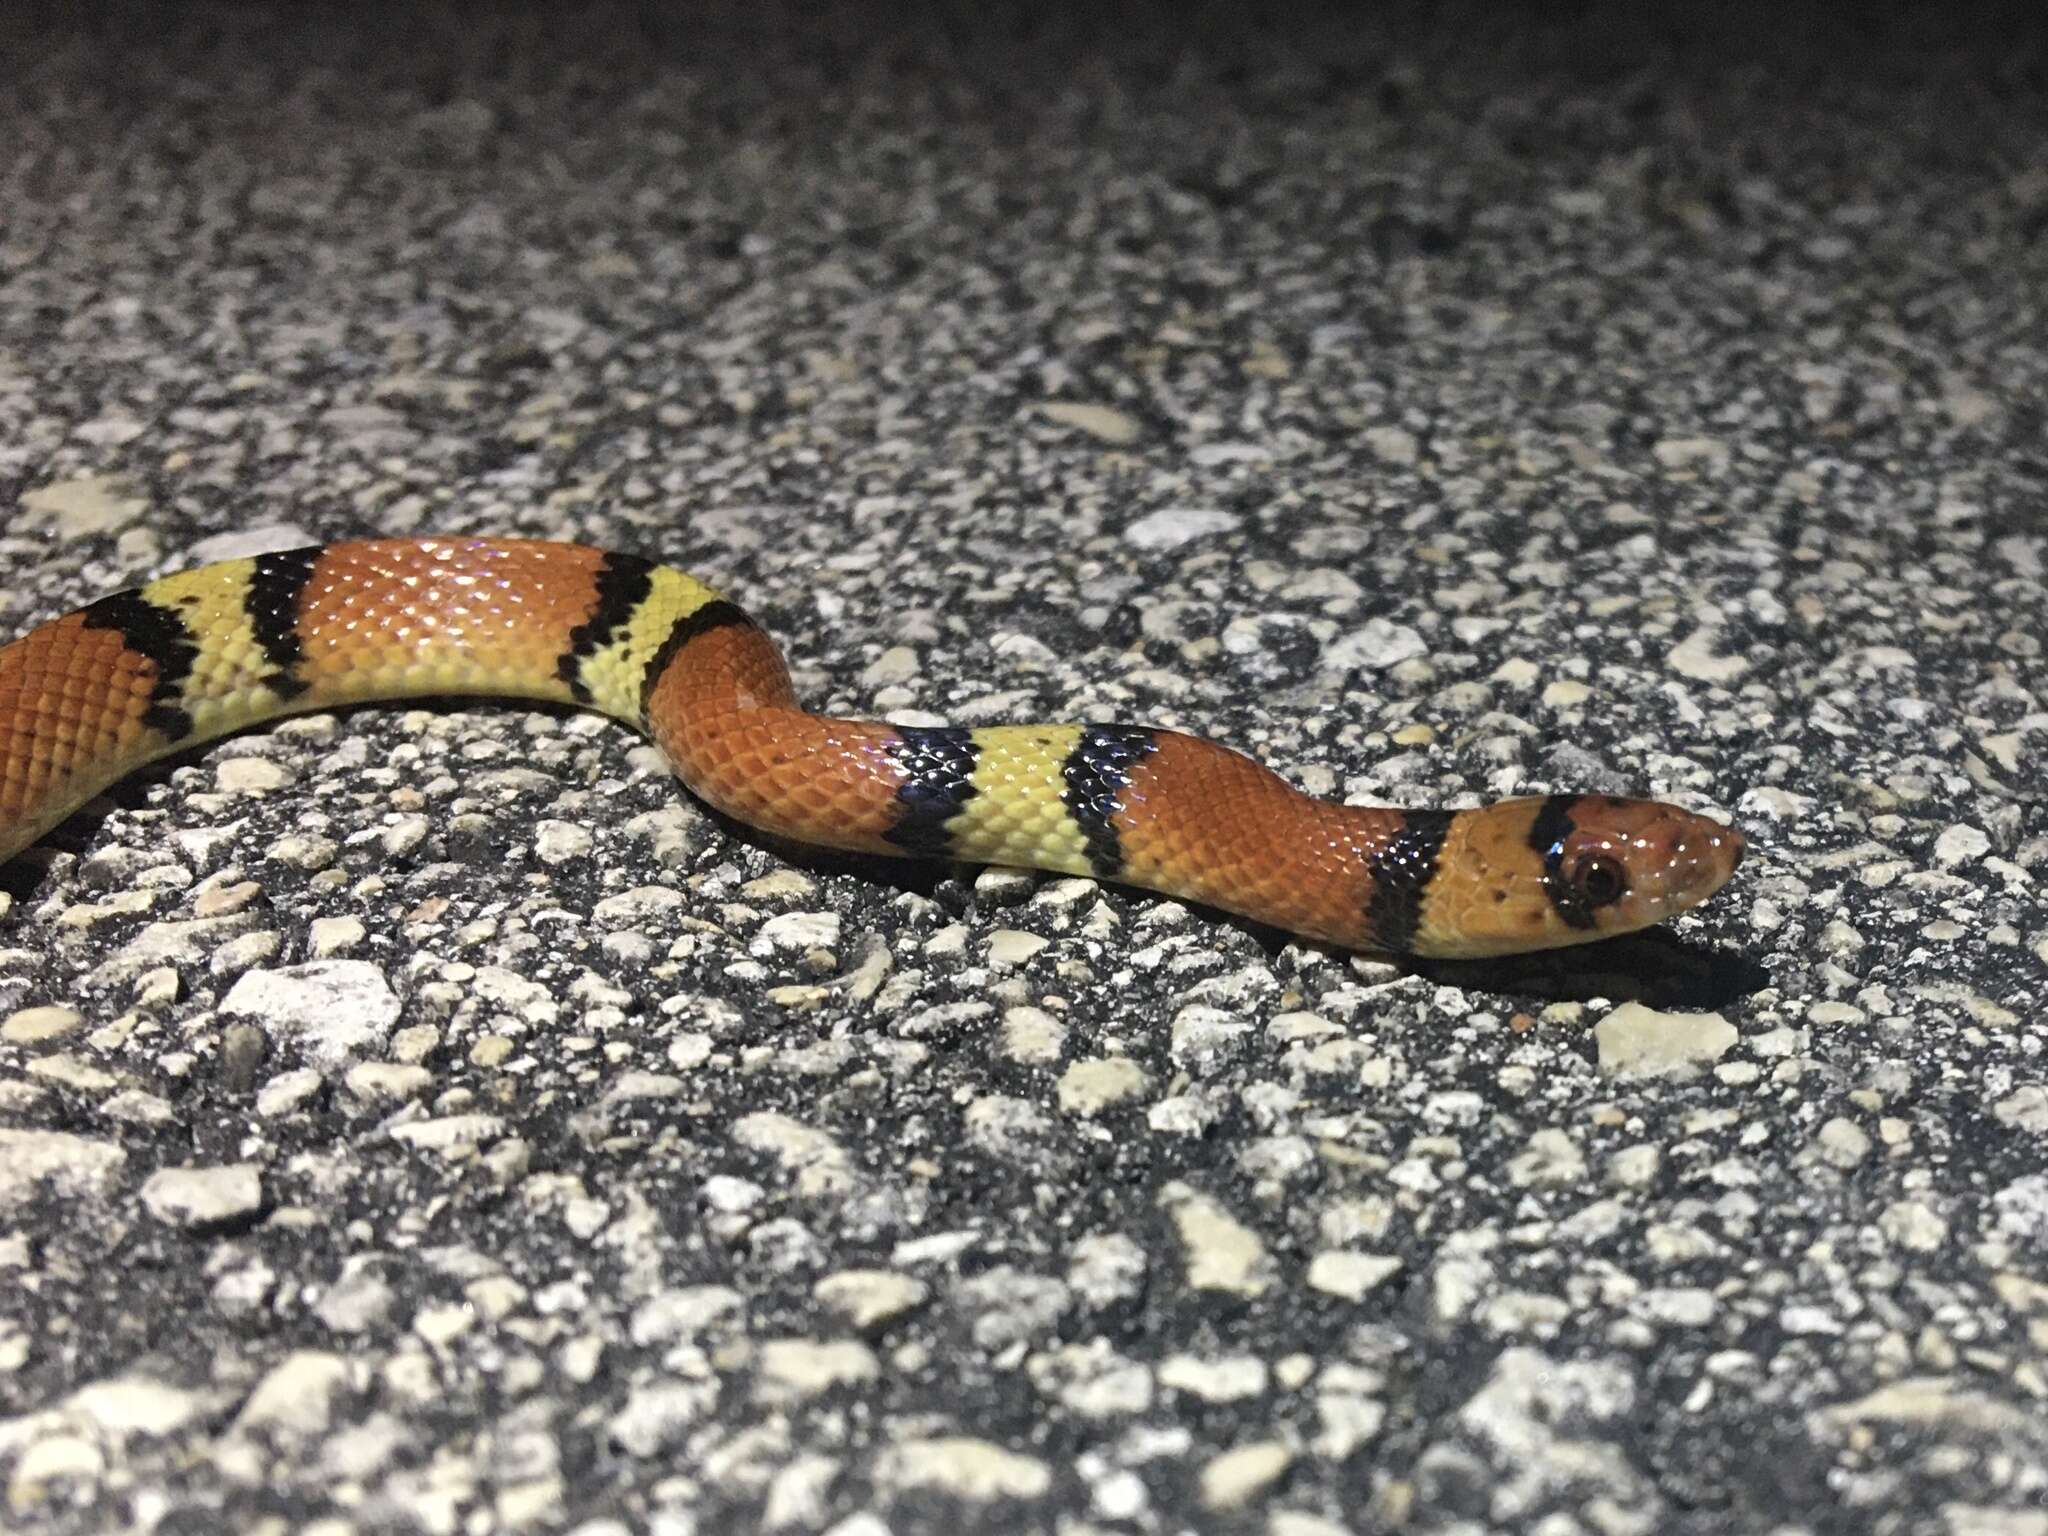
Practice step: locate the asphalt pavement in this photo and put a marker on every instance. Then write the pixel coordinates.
(430, 1119)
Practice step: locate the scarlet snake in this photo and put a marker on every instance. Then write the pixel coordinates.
(89, 697)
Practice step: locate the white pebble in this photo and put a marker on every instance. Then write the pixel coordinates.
(197, 1197)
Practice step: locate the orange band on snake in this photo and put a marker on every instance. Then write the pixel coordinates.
(89, 697)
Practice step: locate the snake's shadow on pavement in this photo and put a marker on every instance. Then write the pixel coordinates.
(1655, 967)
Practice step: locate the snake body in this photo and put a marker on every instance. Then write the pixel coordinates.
(89, 697)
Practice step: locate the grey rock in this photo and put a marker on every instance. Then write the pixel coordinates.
(202, 1196)
(333, 1010)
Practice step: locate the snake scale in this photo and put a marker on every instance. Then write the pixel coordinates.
(89, 697)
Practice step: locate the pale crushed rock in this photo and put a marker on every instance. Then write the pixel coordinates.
(656, 1415)
(1241, 1474)
(1221, 1379)
(519, 995)
(1009, 948)
(334, 1010)
(1842, 1142)
(1959, 844)
(73, 1072)
(1928, 1400)
(1392, 445)
(1912, 1225)
(1682, 1306)
(1695, 657)
(632, 1087)
(799, 1498)
(690, 1049)
(245, 951)
(1552, 1159)
(1221, 1254)
(1375, 645)
(135, 1405)
(415, 1043)
(167, 942)
(158, 988)
(1032, 1037)
(683, 1313)
(296, 1398)
(56, 1458)
(1638, 1041)
(1349, 1412)
(252, 776)
(287, 1091)
(133, 1106)
(1098, 421)
(2026, 1108)
(789, 1371)
(642, 903)
(1204, 1037)
(328, 937)
(780, 885)
(1520, 1413)
(870, 1298)
(1090, 1087)
(2022, 1208)
(730, 1196)
(796, 932)
(37, 1026)
(1299, 1522)
(1011, 1305)
(387, 1082)
(68, 1166)
(818, 1163)
(202, 1197)
(1092, 1380)
(963, 1466)
(559, 842)
(1005, 1125)
(83, 508)
(1352, 1276)
(449, 1133)
(897, 664)
(1991, 1520)
(1175, 526)
(1105, 1268)
(357, 1302)
(1685, 453)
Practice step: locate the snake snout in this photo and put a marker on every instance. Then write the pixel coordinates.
(1703, 856)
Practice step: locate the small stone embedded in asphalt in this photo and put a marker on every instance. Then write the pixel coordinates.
(203, 1197)
(1175, 526)
(296, 1399)
(333, 1010)
(35, 1026)
(1637, 1041)
(57, 1164)
(1098, 421)
(870, 1298)
(1351, 1275)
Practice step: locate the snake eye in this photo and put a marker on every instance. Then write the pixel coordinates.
(1601, 880)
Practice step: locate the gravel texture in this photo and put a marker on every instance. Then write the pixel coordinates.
(430, 1120)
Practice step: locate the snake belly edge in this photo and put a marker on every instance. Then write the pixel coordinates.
(87, 698)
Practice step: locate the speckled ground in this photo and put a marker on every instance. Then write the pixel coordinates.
(431, 1121)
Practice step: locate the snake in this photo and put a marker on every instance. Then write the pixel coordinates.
(88, 698)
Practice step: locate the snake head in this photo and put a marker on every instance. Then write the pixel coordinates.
(1569, 869)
